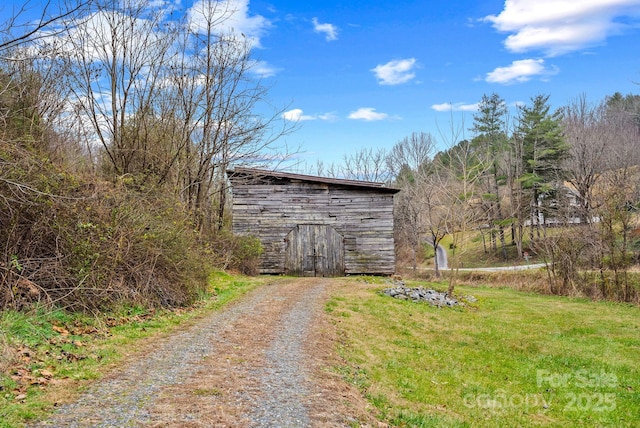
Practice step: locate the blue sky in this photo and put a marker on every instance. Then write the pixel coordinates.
(368, 73)
(359, 74)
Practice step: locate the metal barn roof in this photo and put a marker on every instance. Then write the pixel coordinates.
(260, 173)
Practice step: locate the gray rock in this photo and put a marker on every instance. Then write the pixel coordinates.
(420, 294)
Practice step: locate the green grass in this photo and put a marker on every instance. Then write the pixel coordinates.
(514, 359)
(470, 251)
(48, 350)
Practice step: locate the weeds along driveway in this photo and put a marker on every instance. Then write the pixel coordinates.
(261, 362)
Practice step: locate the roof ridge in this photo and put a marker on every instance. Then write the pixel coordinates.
(328, 180)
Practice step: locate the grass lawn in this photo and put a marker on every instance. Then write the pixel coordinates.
(471, 252)
(511, 359)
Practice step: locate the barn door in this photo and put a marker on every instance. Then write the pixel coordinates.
(314, 250)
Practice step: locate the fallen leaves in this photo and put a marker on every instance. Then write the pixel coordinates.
(26, 372)
(63, 331)
(60, 348)
(35, 367)
(46, 373)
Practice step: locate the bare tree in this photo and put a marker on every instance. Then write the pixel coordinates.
(21, 28)
(437, 209)
(618, 199)
(120, 52)
(585, 131)
(321, 169)
(222, 102)
(438, 192)
(366, 164)
(412, 152)
(34, 82)
(464, 196)
(462, 170)
(604, 142)
(173, 101)
(410, 162)
(409, 222)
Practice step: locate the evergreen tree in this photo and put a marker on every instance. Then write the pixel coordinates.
(543, 150)
(490, 143)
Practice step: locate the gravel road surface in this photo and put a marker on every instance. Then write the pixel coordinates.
(264, 361)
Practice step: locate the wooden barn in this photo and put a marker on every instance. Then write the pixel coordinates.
(315, 226)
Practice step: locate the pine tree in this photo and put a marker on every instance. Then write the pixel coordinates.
(490, 143)
(543, 150)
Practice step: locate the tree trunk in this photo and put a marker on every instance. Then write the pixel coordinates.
(435, 258)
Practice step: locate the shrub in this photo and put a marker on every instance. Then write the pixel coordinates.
(241, 253)
(247, 254)
(87, 245)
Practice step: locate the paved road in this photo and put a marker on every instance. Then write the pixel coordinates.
(498, 269)
(505, 268)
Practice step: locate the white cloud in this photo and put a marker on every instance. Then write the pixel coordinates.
(263, 69)
(228, 16)
(297, 115)
(455, 107)
(519, 71)
(165, 4)
(368, 114)
(96, 36)
(330, 31)
(327, 116)
(557, 27)
(395, 72)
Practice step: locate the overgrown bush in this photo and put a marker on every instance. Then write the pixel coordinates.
(86, 245)
(564, 256)
(240, 253)
(587, 261)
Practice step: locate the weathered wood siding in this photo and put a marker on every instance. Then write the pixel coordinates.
(314, 250)
(272, 209)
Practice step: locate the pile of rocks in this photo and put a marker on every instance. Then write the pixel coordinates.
(420, 294)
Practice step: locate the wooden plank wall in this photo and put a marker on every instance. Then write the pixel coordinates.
(363, 216)
(314, 250)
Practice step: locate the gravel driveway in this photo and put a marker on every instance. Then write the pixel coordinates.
(261, 362)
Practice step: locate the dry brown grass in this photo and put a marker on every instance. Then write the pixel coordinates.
(589, 284)
(529, 281)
